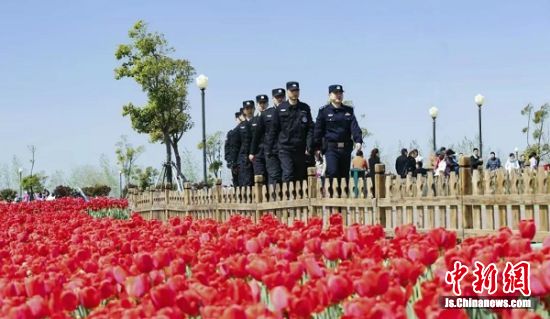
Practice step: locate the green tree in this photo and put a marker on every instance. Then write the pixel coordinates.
(536, 131)
(214, 145)
(33, 183)
(164, 79)
(126, 156)
(146, 177)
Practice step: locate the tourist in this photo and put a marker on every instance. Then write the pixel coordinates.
(493, 163)
(512, 163)
(374, 159)
(475, 161)
(401, 163)
(441, 164)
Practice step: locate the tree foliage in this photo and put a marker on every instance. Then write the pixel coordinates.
(164, 79)
(33, 183)
(537, 130)
(214, 145)
(146, 177)
(126, 156)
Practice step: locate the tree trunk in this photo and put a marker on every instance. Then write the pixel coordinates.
(178, 157)
(168, 164)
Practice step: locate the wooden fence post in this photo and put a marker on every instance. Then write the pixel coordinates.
(187, 197)
(465, 175)
(166, 204)
(152, 202)
(312, 190)
(258, 196)
(218, 198)
(380, 192)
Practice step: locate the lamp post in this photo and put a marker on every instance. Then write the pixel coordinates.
(20, 183)
(479, 99)
(433, 113)
(202, 83)
(120, 182)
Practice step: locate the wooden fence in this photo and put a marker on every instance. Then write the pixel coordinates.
(472, 203)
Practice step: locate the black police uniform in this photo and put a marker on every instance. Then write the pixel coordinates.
(292, 133)
(256, 143)
(337, 129)
(259, 136)
(229, 151)
(242, 150)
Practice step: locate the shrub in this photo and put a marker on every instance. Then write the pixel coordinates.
(97, 191)
(63, 191)
(8, 194)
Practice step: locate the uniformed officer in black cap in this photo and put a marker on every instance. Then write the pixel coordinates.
(278, 96)
(292, 134)
(230, 145)
(272, 164)
(242, 146)
(257, 155)
(336, 127)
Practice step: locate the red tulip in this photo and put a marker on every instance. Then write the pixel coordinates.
(312, 267)
(234, 312)
(189, 303)
(38, 307)
(89, 297)
(20, 312)
(527, 229)
(69, 300)
(106, 289)
(137, 286)
(252, 246)
(332, 250)
(340, 288)
(313, 245)
(144, 262)
(163, 296)
(279, 297)
(257, 268)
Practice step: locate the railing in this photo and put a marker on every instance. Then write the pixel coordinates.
(471, 203)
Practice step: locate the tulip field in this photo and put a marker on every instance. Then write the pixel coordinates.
(73, 259)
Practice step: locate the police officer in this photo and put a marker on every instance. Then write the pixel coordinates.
(292, 135)
(259, 133)
(336, 129)
(257, 155)
(242, 146)
(228, 149)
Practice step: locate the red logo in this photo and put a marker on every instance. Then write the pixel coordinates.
(455, 276)
(485, 278)
(514, 278)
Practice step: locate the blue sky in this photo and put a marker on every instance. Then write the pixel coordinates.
(394, 58)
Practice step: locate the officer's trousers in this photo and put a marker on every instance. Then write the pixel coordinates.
(338, 161)
(273, 166)
(293, 165)
(259, 164)
(246, 172)
(235, 175)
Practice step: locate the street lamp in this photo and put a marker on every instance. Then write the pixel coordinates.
(20, 184)
(202, 83)
(479, 99)
(433, 113)
(120, 182)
